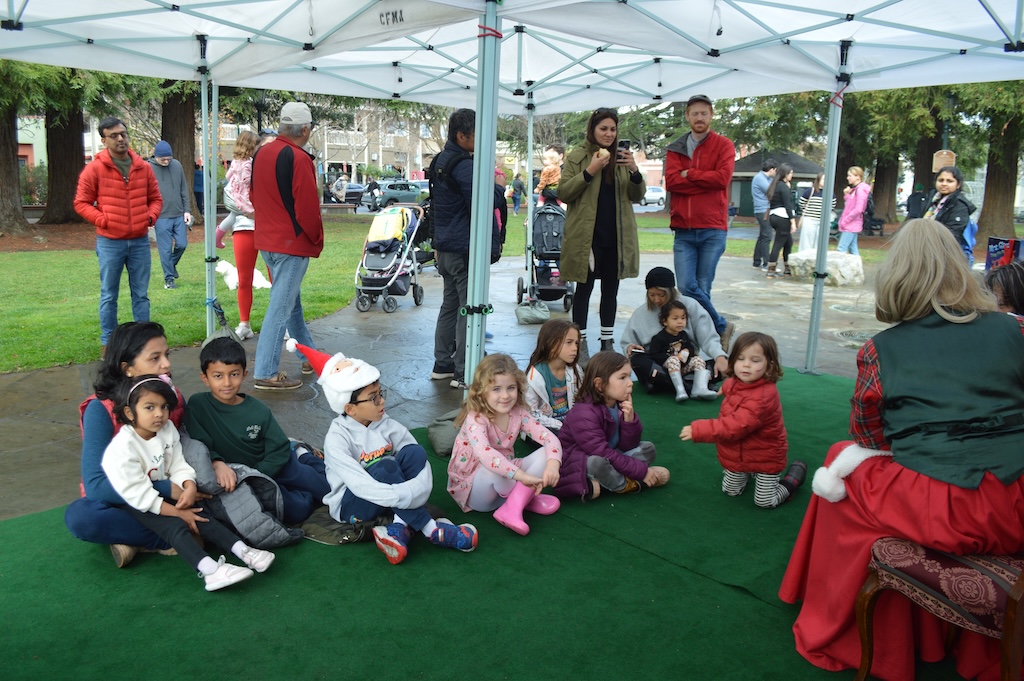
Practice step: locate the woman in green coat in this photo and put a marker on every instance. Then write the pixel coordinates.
(599, 184)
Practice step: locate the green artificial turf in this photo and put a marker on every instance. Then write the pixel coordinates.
(678, 582)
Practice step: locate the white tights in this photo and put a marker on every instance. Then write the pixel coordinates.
(489, 490)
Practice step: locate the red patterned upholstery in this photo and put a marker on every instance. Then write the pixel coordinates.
(979, 593)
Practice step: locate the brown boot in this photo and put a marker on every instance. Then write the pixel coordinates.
(788, 272)
(772, 269)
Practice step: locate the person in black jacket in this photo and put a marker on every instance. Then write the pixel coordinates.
(782, 216)
(948, 205)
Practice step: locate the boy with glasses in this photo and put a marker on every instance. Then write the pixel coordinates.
(374, 464)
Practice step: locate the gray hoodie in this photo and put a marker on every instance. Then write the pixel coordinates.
(175, 189)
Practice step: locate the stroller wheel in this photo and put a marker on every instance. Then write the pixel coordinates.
(390, 304)
(417, 294)
(363, 303)
(567, 302)
(520, 290)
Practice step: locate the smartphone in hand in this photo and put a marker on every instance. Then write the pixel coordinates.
(623, 146)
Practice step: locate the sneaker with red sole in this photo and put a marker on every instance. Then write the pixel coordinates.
(461, 537)
(393, 541)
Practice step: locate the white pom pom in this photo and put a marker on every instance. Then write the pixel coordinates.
(828, 486)
(291, 345)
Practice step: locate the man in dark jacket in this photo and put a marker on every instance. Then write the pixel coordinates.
(289, 231)
(118, 193)
(451, 195)
(698, 171)
(172, 225)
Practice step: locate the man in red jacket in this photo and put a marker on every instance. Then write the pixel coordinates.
(119, 194)
(289, 231)
(698, 171)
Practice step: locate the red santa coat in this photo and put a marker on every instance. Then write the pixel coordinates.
(749, 432)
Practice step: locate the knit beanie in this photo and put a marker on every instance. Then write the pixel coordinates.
(660, 277)
(162, 150)
(339, 375)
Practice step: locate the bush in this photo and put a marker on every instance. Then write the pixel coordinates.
(33, 184)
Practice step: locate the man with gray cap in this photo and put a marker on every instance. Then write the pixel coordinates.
(698, 171)
(289, 231)
(175, 218)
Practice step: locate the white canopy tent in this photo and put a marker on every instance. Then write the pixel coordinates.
(568, 55)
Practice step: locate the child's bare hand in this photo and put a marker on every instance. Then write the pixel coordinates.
(191, 517)
(226, 477)
(531, 481)
(687, 434)
(551, 473)
(188, 495)
(656, 476)
(627, 408)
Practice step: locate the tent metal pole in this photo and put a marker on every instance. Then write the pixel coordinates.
(835, 117)
(209, 188)
(527, 201)
(482, 213)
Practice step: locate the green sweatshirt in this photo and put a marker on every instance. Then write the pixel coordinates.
(245, 433)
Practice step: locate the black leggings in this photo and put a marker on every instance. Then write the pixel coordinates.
(783, 238)
(176, 533)
(609, 300)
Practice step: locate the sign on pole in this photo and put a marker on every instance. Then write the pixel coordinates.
(943, 158)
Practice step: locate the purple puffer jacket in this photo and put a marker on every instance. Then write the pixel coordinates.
(585, 432)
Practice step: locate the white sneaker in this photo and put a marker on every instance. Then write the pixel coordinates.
(226, 575)
(258, 559)
(244, 331)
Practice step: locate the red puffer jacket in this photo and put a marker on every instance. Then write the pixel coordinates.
(122, 210)
(749, 432)
(701, 199)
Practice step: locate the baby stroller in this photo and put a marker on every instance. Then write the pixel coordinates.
(545, 281)
(388, 267)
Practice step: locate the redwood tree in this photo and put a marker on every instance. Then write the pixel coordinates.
(66, 153)
(178, 127)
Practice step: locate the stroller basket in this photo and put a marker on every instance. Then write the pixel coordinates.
(398, 287)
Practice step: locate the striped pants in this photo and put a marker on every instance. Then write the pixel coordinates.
(768, 493)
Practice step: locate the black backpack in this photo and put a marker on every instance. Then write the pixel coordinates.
(869, 211)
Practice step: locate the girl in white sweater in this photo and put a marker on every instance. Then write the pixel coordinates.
(148, 449)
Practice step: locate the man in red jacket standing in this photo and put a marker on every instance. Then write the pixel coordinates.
(119, 194)
(698, 171)
(289, 231)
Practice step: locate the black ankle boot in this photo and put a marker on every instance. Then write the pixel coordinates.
(607, 344)
(794, 477)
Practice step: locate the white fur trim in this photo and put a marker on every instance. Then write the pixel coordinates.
(292, 345)
(828, 486)
(828, 482)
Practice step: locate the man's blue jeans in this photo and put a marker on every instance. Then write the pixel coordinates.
(284, 311)
(171, 241)
(114, 256)
(696, 253)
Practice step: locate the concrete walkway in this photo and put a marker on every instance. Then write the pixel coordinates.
(39, 457)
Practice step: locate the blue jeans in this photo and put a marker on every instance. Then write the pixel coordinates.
(516, 200)
(283, 312)
(696, 253)
(394, 470)
(303, 484)
(848, 243)
(171, 241)
(114, 256)
(102, 523)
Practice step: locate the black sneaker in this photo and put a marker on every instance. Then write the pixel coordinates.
(795, 476)
(170, 284)
(439, 373)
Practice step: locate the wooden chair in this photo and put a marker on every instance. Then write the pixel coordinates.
(980, 593)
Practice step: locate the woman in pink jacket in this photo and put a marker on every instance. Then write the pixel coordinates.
(749, 432)
(851, 222)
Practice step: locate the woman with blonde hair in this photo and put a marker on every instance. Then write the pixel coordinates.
(851, 222)
(938, 426)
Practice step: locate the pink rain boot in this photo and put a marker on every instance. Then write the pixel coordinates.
(510, 513)
(219, 234)
(544, 504)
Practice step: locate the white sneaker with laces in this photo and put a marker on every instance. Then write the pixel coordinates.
(225, 575)
(244, 331)
(258, 559)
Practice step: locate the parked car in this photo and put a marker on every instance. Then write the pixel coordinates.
(654, 195)
(393, 191)
(354, 193)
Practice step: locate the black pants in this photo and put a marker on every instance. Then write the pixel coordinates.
(176, 533)
(783, 238)
(609, 300)
(764, 238)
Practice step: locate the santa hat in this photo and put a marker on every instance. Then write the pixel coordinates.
(338, 385)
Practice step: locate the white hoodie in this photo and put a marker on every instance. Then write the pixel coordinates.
(132, 464)
(348, 443)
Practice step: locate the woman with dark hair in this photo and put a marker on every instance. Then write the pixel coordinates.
(599, 184)
(948, 205)
(811, 209)
(134, 349)
(782, 216)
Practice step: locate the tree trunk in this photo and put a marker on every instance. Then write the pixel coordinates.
(66, 152)
(1005, 139)
(883, 187)
(926, 148)
(178, 127)
(11, 217)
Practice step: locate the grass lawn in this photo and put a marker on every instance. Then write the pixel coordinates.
(50, 317)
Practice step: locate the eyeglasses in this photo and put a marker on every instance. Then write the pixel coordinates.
(117, 135)
(376, 398)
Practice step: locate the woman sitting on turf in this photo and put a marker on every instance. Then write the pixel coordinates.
(645, 324)
(935, 459)
(134, 349)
